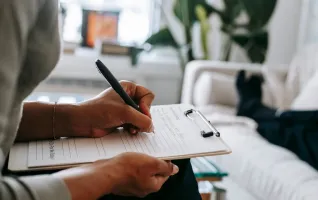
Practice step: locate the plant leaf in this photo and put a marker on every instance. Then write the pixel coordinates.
(232, 10)
(254, 44)
(163, 37)
(259, 12)
(134, 53)
(204, 27)
(184, 10)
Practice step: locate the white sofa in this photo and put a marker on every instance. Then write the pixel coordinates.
(257, 169)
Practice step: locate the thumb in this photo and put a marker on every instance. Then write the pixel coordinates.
(138, 119)
(166, 168)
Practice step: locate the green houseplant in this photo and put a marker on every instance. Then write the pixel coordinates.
(251, 35)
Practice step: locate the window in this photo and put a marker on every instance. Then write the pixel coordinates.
(137, 18)
(58, 97)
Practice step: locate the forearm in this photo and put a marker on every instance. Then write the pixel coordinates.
(39, 121)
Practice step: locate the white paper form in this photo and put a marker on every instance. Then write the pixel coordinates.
(175, 135)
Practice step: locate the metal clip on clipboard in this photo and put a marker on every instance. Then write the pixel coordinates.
(210, 130)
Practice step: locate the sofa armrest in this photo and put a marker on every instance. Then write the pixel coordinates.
(196, 68)
(220, 72)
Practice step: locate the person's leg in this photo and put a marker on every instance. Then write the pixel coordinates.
(249, 92)
(180, 186)
(296, 131)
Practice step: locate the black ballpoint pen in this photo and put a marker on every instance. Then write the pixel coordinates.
(115, 84)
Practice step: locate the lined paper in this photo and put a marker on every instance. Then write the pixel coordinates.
(175, 135)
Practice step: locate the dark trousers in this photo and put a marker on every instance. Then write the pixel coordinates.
(180, 186)
(296, 131)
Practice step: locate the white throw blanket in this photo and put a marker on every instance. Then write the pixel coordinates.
(225, 116)
(220, 119)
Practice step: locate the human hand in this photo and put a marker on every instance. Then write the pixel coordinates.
(128, 174)
(107, 111)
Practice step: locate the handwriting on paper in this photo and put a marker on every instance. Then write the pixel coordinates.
(175, 135)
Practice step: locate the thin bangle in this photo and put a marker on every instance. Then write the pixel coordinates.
(53, 121)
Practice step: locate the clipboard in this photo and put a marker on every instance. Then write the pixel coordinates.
(182, 114)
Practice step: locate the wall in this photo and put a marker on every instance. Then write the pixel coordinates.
(284, 31)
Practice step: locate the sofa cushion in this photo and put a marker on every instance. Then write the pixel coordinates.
(210, 87)
(234, 191)
(308, 97)
(225, 116)
(302, 68)
(216, 108)
(265, 170)
(273, 88)
(219, 88)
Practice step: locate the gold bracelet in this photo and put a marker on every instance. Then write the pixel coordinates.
(53, 121)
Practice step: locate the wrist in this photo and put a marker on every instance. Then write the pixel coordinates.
(64, 120)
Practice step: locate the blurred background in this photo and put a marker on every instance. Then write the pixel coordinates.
(151, 41)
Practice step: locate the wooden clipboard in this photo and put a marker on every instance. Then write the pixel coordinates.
(18, 158)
